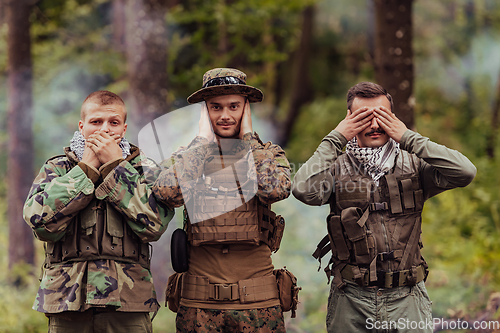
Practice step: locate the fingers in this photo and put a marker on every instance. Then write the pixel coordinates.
(205, 125)
(355, 113)
(103, 136)
(247, 106)
(100, 138)
(386, 110)
(384, 116)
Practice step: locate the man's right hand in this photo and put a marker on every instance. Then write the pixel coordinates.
(89, 157)
(205, 124)
(355, 122)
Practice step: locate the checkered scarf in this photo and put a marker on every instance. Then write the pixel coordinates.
(376, 161)
(77, 145)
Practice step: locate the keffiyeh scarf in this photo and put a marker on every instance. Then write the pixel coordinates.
(77, 145)
(376, 161)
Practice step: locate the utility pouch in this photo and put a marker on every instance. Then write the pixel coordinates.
(279, 228)
(68, 245)
(179, 251)
(405, 195)
(288, 290)
(354, 221)
(173, 291)
(336, 235)
(112, 241)
(91, 218)
(352, 193)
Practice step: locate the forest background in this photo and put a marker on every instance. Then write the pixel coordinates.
(439, 59)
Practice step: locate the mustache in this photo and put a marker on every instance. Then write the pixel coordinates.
(378, 131)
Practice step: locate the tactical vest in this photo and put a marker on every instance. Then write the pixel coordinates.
(98, 232)
(374, 230)
(225, 209)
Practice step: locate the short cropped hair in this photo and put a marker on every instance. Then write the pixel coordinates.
(103, 97)
(367, 90)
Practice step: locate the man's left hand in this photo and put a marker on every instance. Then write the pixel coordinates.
(246, 121)
(394, 127)
(105, 146)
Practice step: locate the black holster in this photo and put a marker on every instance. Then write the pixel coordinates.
(179, 251)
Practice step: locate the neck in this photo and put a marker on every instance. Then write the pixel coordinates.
(226, 144)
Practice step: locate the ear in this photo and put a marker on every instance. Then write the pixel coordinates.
(124, 130)
(348, 112)
(80, 126)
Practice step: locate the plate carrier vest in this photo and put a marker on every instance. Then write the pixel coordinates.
(225, 218)
(98, 232)
(219, 203)
(374, 231)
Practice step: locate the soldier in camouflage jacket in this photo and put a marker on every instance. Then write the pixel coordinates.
(231, 258)
(94, 209)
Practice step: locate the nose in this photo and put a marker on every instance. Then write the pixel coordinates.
(225, 113)
(374, 123)
(105, 127)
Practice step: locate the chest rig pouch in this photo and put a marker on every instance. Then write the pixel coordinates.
(225, 208)
(353, 233)
(98, 232)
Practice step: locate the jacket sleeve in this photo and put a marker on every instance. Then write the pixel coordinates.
(442, 168)
(175, 184)
(313, 182)
(128, 187)
(57, 194)
(272, 170)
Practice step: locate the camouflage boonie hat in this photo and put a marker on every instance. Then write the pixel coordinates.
(225, 81)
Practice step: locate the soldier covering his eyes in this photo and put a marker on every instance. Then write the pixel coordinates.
(376, 190)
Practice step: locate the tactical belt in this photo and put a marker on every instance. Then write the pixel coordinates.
(246, 291)
(386, 279)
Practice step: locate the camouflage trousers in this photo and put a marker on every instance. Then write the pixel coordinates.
(266, 320)
(92, 321)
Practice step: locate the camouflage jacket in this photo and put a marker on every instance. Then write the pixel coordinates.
(62, 189)
(186, 165)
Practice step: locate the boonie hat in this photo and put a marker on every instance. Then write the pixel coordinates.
(225, 81)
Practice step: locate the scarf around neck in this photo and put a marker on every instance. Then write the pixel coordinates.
(376, 161)
(77, 145)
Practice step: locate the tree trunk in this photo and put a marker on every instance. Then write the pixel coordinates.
(20, 161)
(301, 89)
(119, 24)
(394, 54)
(492, 137)
(146, 43)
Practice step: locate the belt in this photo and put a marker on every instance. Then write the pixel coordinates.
(407, 277)
(246, 291)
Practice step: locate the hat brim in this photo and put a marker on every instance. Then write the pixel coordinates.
(253, 94)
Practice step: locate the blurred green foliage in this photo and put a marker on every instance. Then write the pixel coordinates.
(457, 66)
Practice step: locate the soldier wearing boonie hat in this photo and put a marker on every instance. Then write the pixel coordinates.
(227, 282)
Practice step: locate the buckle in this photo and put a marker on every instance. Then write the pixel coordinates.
(384, 256)
(385, 279)
(379, 206)
(389, 279)
(223, 292)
